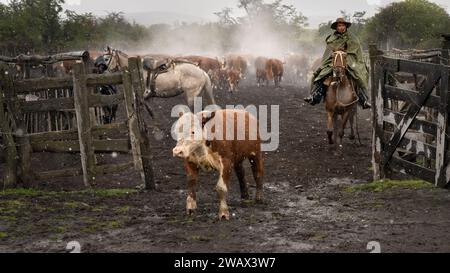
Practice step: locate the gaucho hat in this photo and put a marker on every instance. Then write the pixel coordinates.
(340, 20)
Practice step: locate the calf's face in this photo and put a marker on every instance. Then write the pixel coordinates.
(189, 135)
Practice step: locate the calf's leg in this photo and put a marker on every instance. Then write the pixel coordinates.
(240, 172)
(258, 173)
(191, 201)
(222, 190)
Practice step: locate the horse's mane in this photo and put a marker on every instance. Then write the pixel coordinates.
(121, 52)
(112, 50)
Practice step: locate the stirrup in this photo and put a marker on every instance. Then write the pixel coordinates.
(308, 99)
(311, 100)
(363, 99)
(366, 105)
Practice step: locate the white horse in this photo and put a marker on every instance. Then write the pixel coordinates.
(167, 78)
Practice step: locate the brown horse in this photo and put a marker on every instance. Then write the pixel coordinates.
(341, 99)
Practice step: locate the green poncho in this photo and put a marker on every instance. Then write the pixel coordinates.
(355, 61)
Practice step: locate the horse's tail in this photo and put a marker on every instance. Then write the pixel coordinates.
(208, 90)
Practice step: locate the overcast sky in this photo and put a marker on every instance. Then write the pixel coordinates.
(317, 10)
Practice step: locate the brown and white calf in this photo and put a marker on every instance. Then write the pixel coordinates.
(233, 77)
(220, 141)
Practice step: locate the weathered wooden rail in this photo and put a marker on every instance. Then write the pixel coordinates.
(85, 137)
(37, 67)
(428, 55)
(404, 141)
(40, 59)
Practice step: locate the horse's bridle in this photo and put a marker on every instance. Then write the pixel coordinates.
(340, 55)
(110, 58)
(113, 53)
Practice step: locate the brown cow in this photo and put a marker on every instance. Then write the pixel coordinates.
(233, 78)
(209, 65)
(297, 67)
(261, 73)
(220, 80)
(205, 63)
(203, 144)
(237, 63)
(275, 71)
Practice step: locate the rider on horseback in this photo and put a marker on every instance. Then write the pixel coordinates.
(357, 69)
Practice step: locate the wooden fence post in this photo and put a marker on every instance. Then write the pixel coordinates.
(26, 175)
(446, 49)
(441, 139)
(377, 80)
(83, 123)
(135, 68)
(10, 178)
(18, 130)
(133, 125)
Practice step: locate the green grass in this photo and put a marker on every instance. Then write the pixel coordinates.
(12, 203)
(20, 204)
(41, 193)
(45, 208)
(100, 208)
(102, 226)
(59, 229)
(3, 235)
(8, 218)
(11, 207)
(383, 185)
(108, 192)
(23, 192)
(75, 205)
(189, 220)
(122, 210)
(248, 202)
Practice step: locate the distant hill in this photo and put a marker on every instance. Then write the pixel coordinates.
(150, 18)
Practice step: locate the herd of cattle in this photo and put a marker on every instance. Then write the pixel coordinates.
(227, 72)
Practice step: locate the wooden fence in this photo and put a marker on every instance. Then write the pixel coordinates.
(404, 140)
(84, 135)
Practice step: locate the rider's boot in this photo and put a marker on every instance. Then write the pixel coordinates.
(317, 93)
(363, 99)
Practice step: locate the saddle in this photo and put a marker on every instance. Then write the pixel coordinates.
(155, 65)
(162, 66)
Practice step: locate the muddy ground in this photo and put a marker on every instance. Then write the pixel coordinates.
(316, 201)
